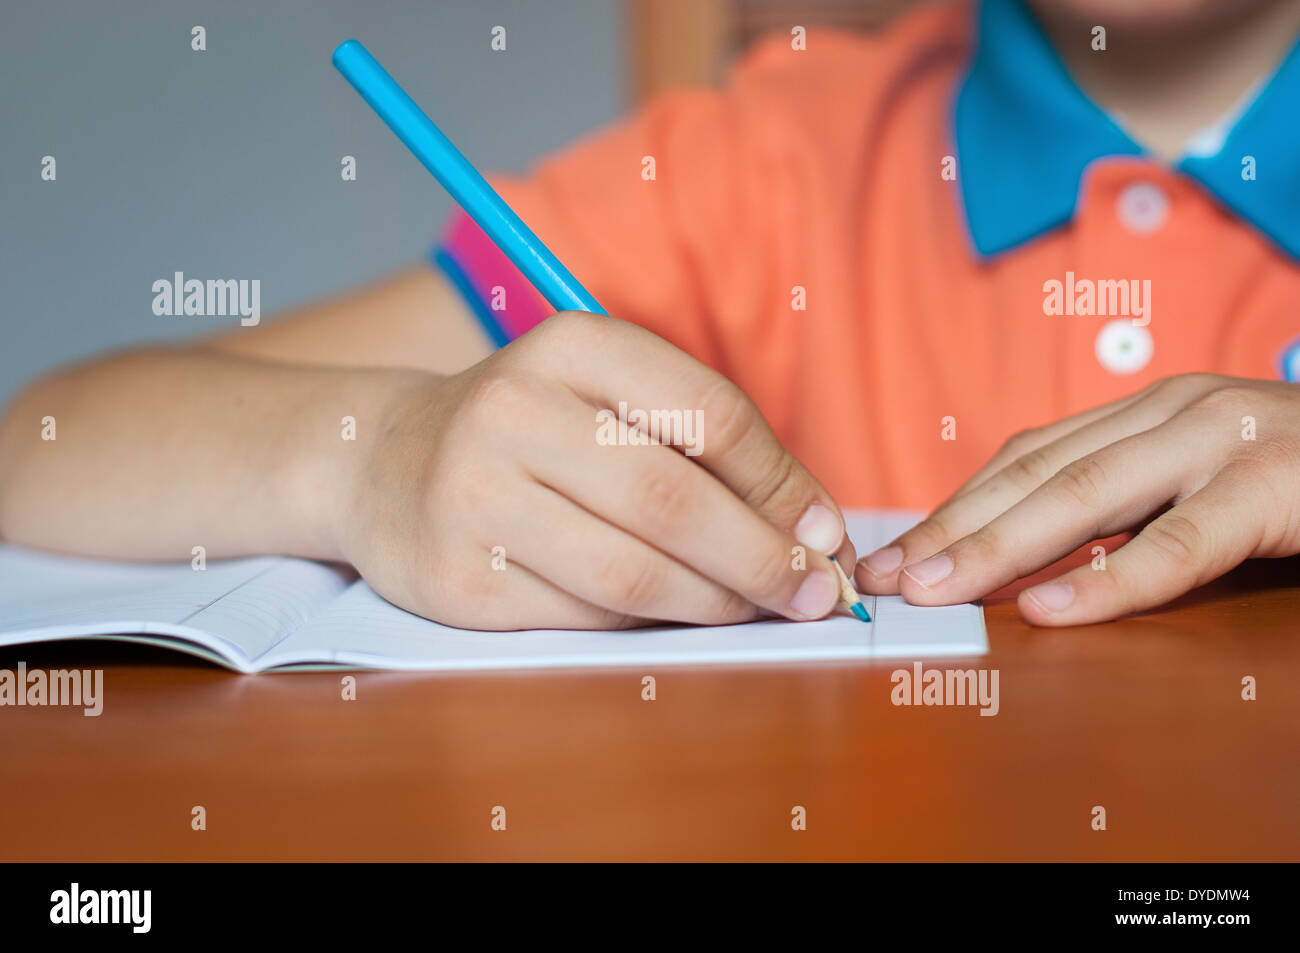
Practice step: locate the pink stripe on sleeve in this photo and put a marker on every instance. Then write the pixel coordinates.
(502, 290)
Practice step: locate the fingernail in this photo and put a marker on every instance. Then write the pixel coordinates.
(816, 596)
(883, 561)
(932, 571)
(1052, 596)
(820, 529)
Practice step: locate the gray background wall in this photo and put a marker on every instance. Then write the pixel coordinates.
(225, 163)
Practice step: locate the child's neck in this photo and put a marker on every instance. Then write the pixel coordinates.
(1166, 84)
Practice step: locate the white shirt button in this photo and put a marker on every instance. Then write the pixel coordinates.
(1123, 347)
(1142, 207)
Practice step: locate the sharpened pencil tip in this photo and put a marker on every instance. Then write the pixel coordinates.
(859, 610)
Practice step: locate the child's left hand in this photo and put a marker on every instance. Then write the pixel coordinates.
(1215, 460)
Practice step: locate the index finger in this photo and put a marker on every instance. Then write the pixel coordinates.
(1092, 498)
(709, 418)
(679, 509)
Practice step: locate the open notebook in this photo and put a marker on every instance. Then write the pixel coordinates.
(273, 612)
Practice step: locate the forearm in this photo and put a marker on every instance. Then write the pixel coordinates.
(158, 451)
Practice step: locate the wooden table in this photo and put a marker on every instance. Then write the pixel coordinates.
(1144, 717)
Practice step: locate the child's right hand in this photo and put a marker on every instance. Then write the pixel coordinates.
(505, 454)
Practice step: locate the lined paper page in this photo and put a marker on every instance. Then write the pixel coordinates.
(237, 608)
(272, 605)
(361, 629)
(273, 611)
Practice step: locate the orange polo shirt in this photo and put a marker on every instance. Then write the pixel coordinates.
(907, 247)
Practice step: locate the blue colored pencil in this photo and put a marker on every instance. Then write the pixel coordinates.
(470, 190)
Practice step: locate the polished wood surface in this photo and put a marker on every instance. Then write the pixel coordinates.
(1144, 717)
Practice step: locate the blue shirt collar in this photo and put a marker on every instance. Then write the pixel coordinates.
(1025, 132)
